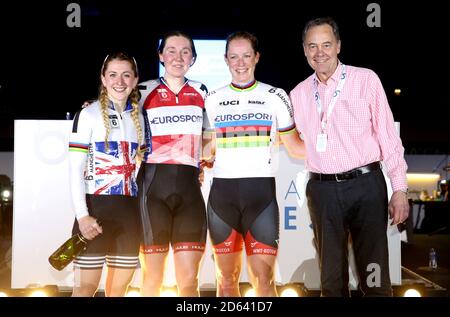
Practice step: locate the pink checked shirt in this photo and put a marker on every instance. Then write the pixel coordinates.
(360, 129)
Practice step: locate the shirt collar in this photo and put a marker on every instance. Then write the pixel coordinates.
(250, 86)
(128, 105)
(336, 75)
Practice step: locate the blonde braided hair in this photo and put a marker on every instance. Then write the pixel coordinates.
(104, 102)
(134, 97)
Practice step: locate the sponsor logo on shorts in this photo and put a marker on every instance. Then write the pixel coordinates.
(264, 251)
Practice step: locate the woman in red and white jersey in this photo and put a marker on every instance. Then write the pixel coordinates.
(172, 206)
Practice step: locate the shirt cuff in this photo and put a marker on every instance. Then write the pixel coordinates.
(399, 185)
(81, 214)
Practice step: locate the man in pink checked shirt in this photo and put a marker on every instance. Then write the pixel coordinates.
(344, 117)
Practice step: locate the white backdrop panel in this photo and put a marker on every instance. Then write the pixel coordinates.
(43, 216)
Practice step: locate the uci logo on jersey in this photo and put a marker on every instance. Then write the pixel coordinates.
(114, 121)
(229, 102)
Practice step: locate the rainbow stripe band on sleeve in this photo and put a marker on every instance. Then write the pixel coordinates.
(78, 147)
(287, 130)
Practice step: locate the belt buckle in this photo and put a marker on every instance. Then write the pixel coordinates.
(337, 178)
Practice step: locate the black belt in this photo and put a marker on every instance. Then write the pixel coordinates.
(339, 177)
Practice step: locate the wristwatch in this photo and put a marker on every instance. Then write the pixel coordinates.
(404, 191)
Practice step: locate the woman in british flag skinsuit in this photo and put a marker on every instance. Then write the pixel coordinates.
(104, 146)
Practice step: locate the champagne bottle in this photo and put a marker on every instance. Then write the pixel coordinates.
(68, 251)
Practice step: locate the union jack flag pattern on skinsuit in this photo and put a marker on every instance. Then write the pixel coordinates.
(113, 177)
(95, 168)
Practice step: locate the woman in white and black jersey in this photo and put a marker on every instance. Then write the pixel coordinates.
(245, 118)
(103, 150)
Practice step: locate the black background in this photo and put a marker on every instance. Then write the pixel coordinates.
(48, 69)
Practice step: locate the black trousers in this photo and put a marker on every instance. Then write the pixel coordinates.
(358, 207)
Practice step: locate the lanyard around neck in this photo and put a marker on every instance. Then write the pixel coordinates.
(337, 92)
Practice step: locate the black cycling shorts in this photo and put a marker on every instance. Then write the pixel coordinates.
(118, 245)
(244, 210)
(172, 208)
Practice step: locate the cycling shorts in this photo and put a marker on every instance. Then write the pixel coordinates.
(244, 210)
(172, 208)
(118, 245)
